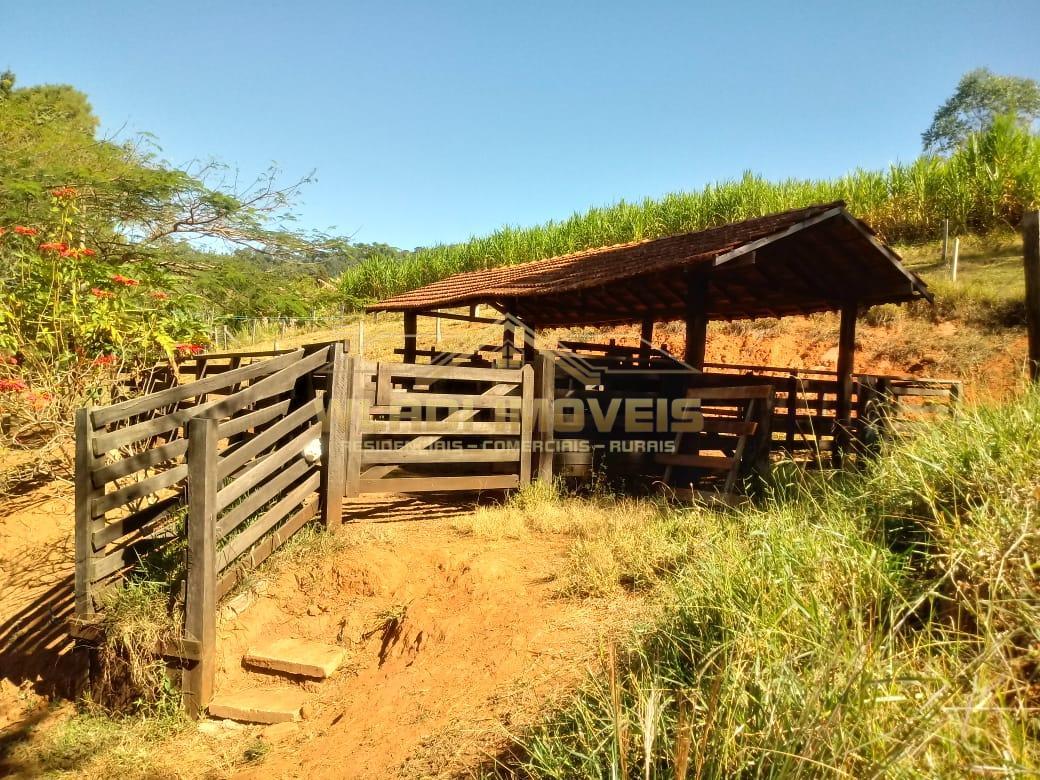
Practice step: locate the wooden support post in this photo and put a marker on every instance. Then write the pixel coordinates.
(508, 340)
(356, 411)
(85, 495)
(956, 258)
(411, 326)
(696, 318)
(846, 363)
(526, 422)
(545, 381)
(646, 340)
(530, 336)
(1031, 258)
(200, 607)
(334, 439)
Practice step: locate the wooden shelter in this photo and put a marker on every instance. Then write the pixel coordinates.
(798, 262)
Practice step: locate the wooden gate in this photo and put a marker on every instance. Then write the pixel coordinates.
(423, 428)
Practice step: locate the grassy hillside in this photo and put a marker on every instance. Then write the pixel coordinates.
(983, 186)
(884, 624)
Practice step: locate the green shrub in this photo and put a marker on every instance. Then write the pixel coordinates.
(884, 623)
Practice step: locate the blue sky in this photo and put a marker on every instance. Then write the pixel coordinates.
(430, 122)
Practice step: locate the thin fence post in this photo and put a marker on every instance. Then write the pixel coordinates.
(334, 462)
(200, 609)
(355, 412)
(526, 422)
(361, 337)
(1031, 263)
(545, 380)
(85, 495)
(956, 258)
(945, 239)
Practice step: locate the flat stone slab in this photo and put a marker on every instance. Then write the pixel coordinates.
(260, 705)
(296, 656)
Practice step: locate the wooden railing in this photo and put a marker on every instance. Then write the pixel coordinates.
(806, 400)
(213, 475)
(423, 427)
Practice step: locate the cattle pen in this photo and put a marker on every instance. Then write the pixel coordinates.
(228, 457)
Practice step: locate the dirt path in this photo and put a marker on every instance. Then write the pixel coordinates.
(482, 644)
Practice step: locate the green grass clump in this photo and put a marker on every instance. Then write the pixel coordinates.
(984, 185)
(883, 624)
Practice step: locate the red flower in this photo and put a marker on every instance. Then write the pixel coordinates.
(159, 295)
(25, 231)
(188, 349)
(38, 401)
(101, 293)
(64, 192)
(2, 231)
(87, 252)
(8, 360)
(73, 253)
(125, 281)
(104, 360)
(54, 246)
(13, 386)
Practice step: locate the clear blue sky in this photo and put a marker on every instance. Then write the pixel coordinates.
(429, 122)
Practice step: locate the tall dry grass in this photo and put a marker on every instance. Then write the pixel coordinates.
(884, 624)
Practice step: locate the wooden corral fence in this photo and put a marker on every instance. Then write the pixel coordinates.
(424, 427)
(806, 400)
(200, 482)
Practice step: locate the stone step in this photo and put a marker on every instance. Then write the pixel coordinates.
(260, 705)
(297, 657)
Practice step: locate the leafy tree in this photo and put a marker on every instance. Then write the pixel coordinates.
(981, 96)
(133, 203)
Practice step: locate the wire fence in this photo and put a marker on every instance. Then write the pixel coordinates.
(372, 336)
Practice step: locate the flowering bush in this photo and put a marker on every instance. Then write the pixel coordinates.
(71, 319)
(61, 301)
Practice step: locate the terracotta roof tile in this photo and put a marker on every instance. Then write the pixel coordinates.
(595, 267)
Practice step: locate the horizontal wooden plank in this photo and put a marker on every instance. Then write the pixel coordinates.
(440, 427)
(138, 490)
(400, 398)
(729, 425)
(266, 547)
(272, 385)
(371, 457)
(241, 455)
(448, 315)
(157, 426)
(117, 529)
(439, 484)
(732, 393)
(461, 373)
(264, 468)
(245, 422)
(266, 522)
(121, 558)
(143, 460)
(146, 403)
(252, 503)
(713, 462)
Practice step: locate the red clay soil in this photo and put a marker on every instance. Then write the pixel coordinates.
(453, 640)
(991, 364)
